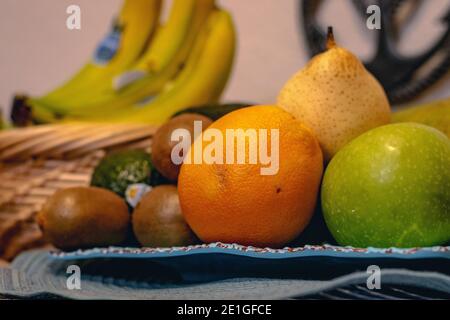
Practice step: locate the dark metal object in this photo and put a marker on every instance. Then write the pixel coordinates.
(398, 74)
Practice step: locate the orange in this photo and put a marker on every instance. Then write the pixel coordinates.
(235, 203)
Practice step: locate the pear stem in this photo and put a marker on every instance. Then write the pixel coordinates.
(331, 43)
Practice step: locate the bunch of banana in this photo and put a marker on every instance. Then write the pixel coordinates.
(128, 38)
(166, 51)
(201, 81)
(187, 62)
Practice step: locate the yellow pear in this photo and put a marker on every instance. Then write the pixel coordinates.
(434, 114)
(336, 97)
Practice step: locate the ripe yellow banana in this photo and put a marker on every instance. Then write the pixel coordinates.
(134, 26)
(171, 37)
(168, 39)
(176, 38)
(202, 80)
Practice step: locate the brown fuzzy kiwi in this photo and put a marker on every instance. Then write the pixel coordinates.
(158, 221)
(84, 217)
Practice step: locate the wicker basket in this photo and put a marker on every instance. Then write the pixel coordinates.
(37, 161)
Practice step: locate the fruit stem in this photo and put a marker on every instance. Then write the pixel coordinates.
(21, 111)
(331, 43)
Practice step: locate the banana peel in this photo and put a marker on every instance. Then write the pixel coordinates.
(435, 114)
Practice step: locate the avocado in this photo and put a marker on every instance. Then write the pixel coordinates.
(214, 111)
(118, 170)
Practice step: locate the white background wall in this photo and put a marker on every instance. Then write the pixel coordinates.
(37, 52)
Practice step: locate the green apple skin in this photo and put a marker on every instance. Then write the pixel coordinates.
(390, 187)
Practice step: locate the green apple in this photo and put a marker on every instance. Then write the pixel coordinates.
(390, 187)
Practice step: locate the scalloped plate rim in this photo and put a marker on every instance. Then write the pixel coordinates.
(253, 252)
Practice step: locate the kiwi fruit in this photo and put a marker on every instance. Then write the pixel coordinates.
(162, 144)
(84, 217)
(158, 221)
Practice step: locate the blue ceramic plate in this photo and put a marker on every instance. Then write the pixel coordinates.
(254, 252)
(218, 260)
